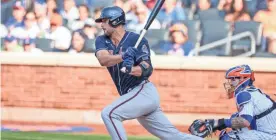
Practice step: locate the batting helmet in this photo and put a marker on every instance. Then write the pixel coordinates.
(115, 14)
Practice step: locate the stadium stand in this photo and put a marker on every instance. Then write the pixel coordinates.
(204, 26)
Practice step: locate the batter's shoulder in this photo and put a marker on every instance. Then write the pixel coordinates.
(101, 38)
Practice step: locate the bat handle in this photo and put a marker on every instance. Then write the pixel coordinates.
(144, 31)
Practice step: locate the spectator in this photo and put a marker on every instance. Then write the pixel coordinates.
(204, 5)
(78, 42)
(40, 9)
(267, 18)
(31, 28)
(60, 35)
(97, 13)
(127, 5)
(225, 5)
(150, 4)
(11, 44)
(51, 8)
(84, 17)
(171, 13)
(142, 14)
(90, 29)
(4, 31)
(70, 12)
(178, 43)
(238, 12)
(18, 16)
(29, 46)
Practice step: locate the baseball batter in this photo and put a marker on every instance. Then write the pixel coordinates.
(139, 98)
(256, 116)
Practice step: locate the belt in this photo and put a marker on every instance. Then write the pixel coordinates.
(143, 82)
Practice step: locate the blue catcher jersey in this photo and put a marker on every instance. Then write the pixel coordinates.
(124, 82)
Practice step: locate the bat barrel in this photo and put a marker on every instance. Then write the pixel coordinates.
(154, 12)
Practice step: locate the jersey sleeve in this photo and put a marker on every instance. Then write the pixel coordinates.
(100, 44)
(247, 109)
(143, 51)
(245, 104)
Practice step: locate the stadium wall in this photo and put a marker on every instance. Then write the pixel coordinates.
(72, 89)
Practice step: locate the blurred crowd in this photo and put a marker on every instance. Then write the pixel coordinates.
(69, 25)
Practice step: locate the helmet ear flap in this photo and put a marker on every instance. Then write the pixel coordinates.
(117, 20)
(114, 22)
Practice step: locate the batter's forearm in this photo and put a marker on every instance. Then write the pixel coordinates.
(136, 71)
(110, 60)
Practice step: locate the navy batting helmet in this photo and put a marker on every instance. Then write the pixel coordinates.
(115, 14)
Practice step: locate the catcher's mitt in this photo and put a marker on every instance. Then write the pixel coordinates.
(202, 128)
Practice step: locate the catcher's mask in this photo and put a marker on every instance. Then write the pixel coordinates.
(238, 78)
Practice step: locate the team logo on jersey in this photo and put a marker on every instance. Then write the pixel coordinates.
(145, 49)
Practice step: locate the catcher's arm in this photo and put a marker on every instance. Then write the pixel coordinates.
(204, 128)
(235, 123)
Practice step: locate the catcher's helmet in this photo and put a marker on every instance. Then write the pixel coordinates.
(242, 71)
(115, 14)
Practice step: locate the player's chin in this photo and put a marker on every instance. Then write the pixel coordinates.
(106, 33)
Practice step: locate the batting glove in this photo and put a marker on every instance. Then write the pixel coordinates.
(130, 52)
(128, 63)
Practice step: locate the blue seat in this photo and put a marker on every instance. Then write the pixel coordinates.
(210, 14)
(154, 36)
(244, 45)
(89, 46)
(214, 30)
(186, 3)
(251, 6)
(44, 44)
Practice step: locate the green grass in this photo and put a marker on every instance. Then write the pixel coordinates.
(61, 136)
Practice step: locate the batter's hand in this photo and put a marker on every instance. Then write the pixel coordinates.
(130, 52)
(127, 64)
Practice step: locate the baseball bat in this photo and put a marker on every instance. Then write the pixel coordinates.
(152, 16)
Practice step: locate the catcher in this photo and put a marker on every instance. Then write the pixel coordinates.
(256, 116)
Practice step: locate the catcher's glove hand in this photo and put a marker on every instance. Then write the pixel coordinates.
(202, 128)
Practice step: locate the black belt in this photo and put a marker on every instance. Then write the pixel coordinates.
(266, 112)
